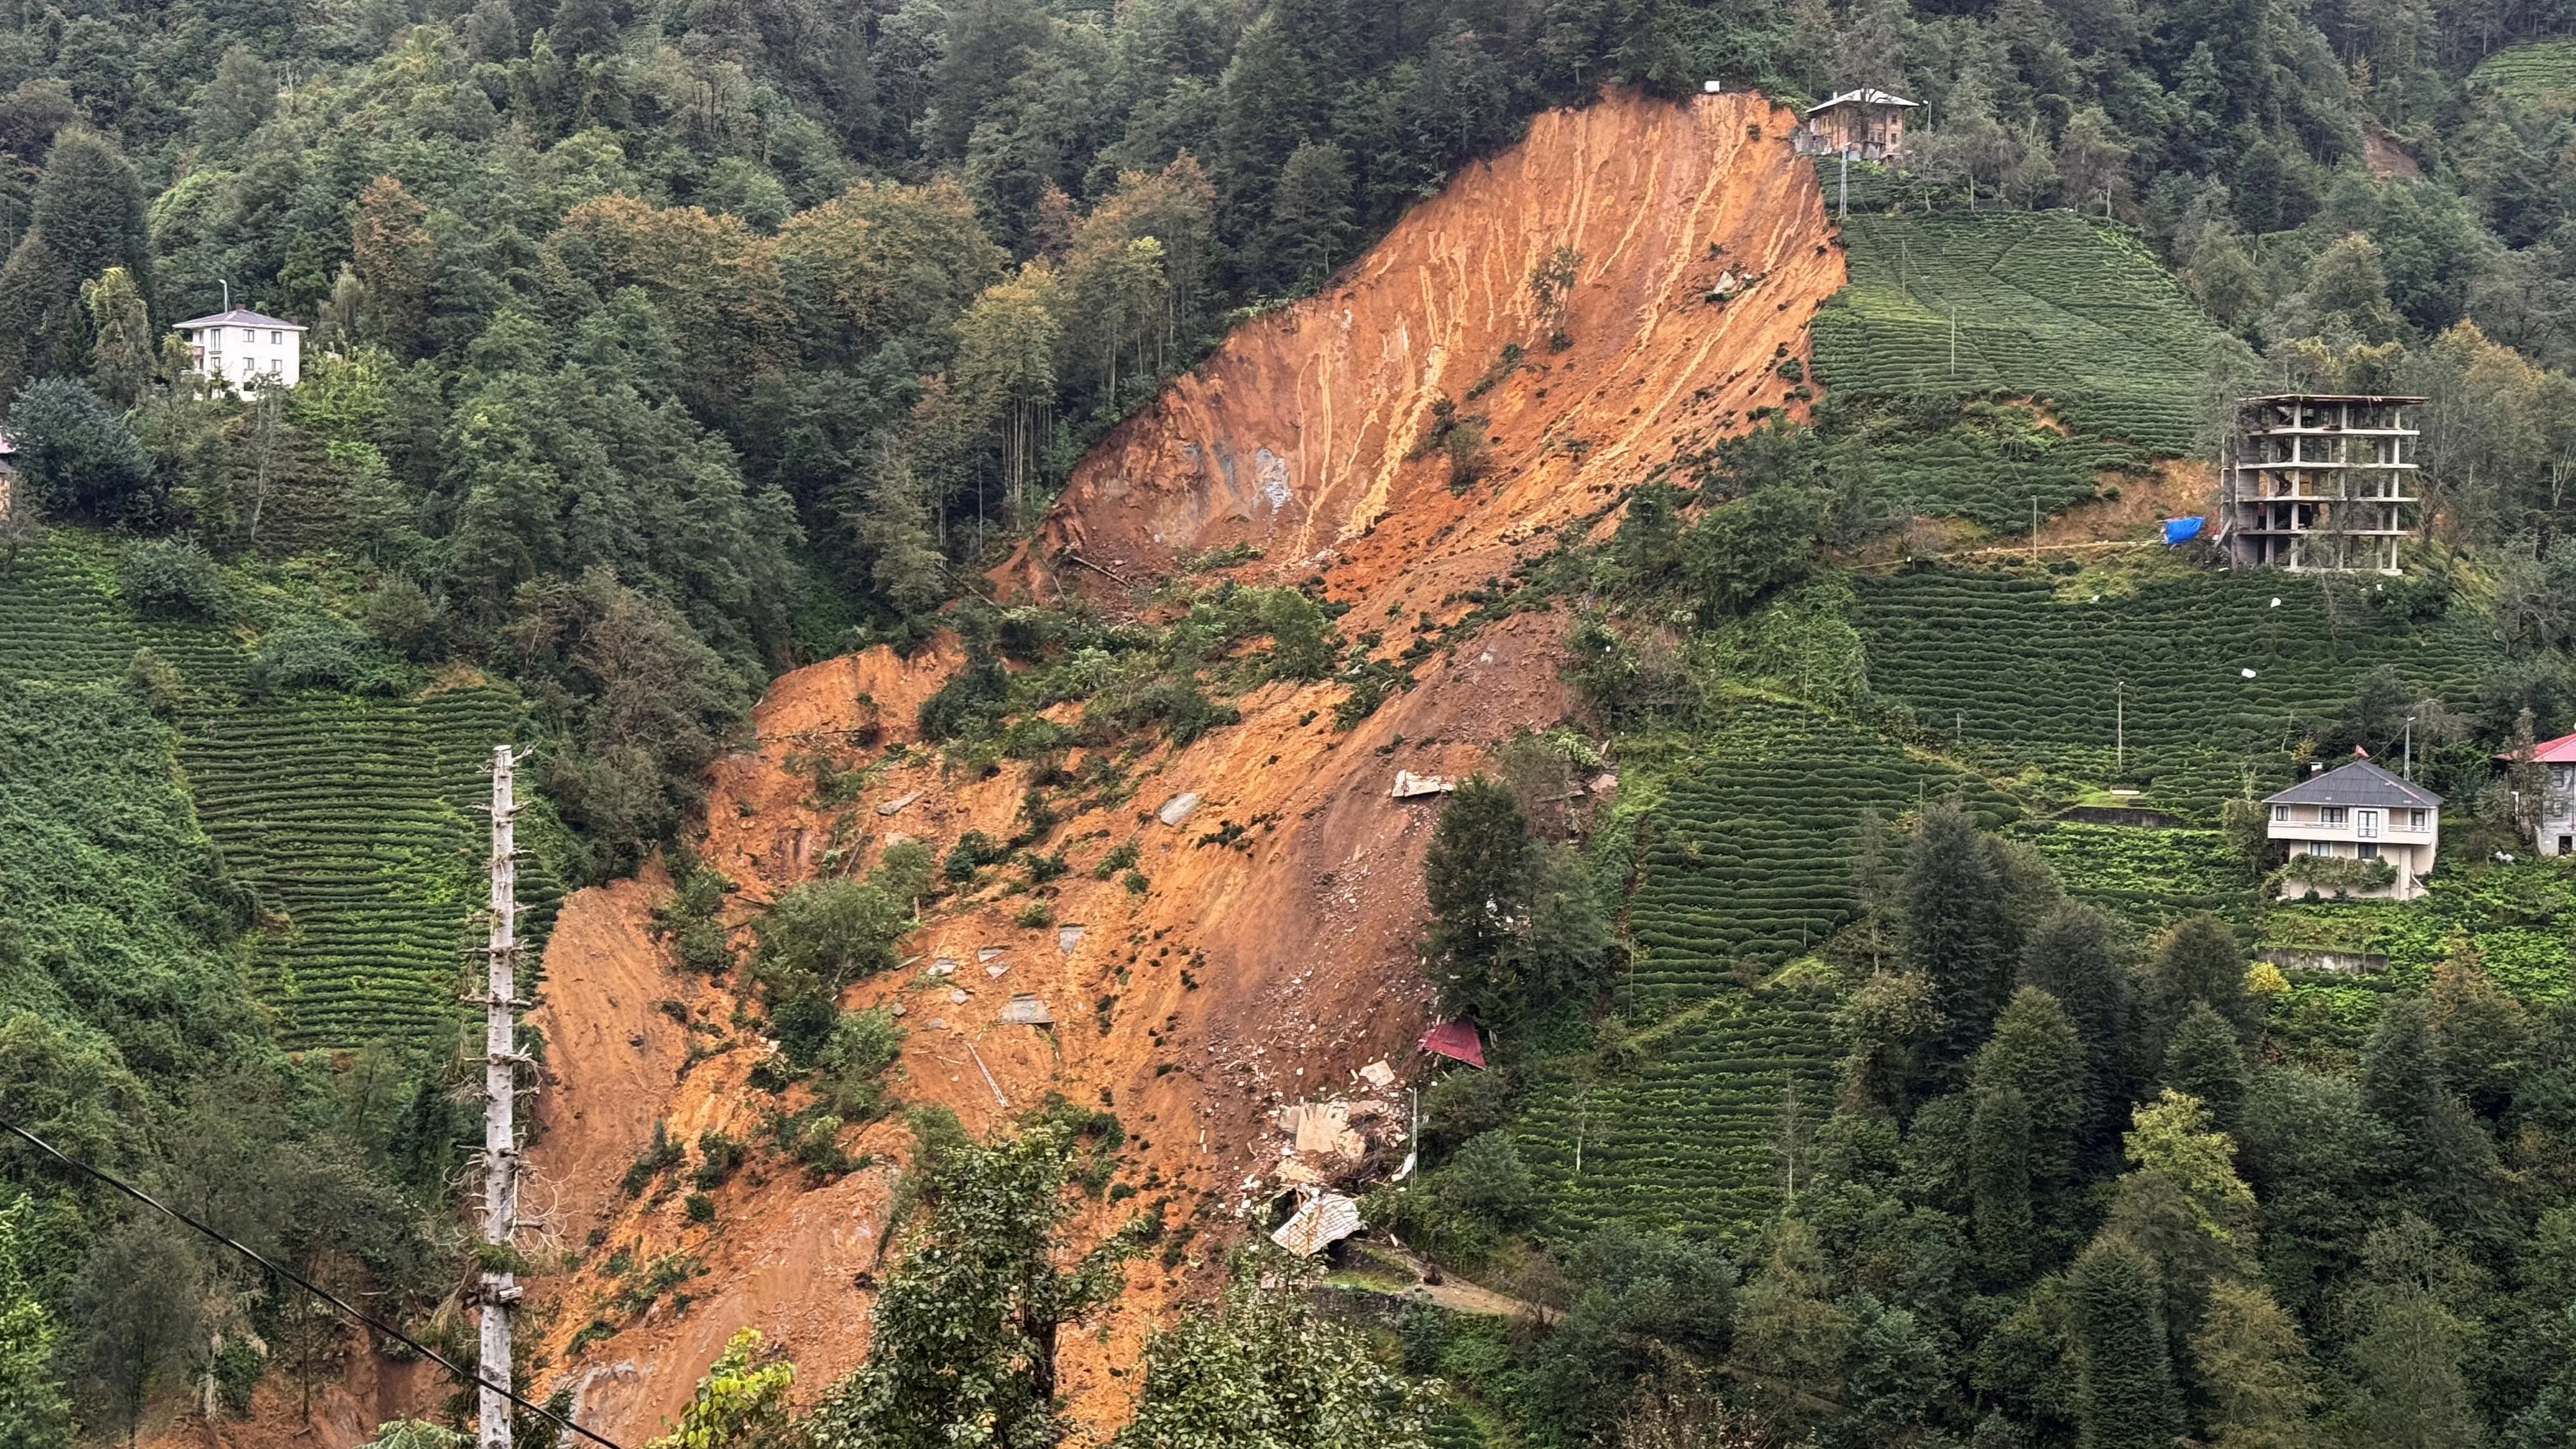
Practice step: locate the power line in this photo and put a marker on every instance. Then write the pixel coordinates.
(300, 1281)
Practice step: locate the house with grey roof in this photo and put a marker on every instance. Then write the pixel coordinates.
(2356, 830)
(244, 349)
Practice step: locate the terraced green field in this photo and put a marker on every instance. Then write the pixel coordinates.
(1986, 462)
(2016, 676)
(1744, 864)
(1748, 858)
(60, 620)
(2544, 70)
(2042, 304)
(357, 823)
(1687, 1144)
(2152, 877)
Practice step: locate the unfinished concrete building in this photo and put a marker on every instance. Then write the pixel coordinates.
(2322, 481)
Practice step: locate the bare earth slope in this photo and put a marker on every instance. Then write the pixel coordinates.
(1295, 436)
(1253, 972)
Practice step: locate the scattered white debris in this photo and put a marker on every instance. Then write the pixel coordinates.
(944, 966)
(2248, 673)
(1067, 937)
(1321, 1127)
(898, 1009)
(996, 969)
(895, 805)
(956, 995)
(939, 1023)
(1178, 808)
(1326, 1219)
(987, 953)
(1410, 786)
(1378, 1074)
(2276, 602)
(1026, 1010)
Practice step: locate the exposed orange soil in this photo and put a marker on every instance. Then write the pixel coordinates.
(1297, 435)
(1251, 973)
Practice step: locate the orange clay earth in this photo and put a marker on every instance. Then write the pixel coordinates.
(1297, 437)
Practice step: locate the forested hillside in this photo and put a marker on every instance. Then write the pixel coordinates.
(1841, 1093)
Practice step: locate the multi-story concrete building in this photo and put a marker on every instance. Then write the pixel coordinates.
(2357, 812)
(2318, 481)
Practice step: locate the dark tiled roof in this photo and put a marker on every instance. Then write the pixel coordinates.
(2359, 783)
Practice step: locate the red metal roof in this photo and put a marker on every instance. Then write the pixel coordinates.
(2560, 751)
(1455, 1040)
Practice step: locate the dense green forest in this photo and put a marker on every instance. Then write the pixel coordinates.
(656, 348)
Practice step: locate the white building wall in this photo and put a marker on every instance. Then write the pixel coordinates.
(243, 355)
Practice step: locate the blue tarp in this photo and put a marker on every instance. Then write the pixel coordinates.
(2181, 530)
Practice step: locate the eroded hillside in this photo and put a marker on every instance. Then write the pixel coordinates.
(1269, 956)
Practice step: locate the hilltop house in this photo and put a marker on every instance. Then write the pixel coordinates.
(2551, 819)
(241, 347)
(1868, 124)
(2356, 830)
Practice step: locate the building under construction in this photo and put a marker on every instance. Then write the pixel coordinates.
(2320, 481)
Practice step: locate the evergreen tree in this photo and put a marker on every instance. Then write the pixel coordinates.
(89, 209)
(77, 456)
(2072, 955)
(582, 27)
(239, 99)
(1957, 934)
(2026, 1086)
(1310, 216)
(2204, 1061)
(2125, 1396)
(1999, 1182)
(2253, 1370)
(87, 216)
(1791, 1339)
(2201, 961)
(395, 261)
(123, 353)
(2436, 1154)
(1479, 873)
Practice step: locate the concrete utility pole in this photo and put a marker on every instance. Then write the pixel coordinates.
(497, 1290)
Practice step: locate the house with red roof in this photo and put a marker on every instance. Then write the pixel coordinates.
(2551, 819)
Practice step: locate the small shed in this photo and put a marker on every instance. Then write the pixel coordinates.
(1866, 124)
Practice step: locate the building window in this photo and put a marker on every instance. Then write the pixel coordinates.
(2416, 821)
(277, 339)
(2369, 850)
(2330, 815)
(2280, 813)
(248, 335)
(2366, 824)
(2320, 847)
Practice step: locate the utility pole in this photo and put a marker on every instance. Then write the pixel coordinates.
(498, 1288)
(2410, 747)
(1842, 200)
(2119, 726)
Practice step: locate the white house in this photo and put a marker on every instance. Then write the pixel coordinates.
(241, 347)
(2355, 813)
(2552, 818)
